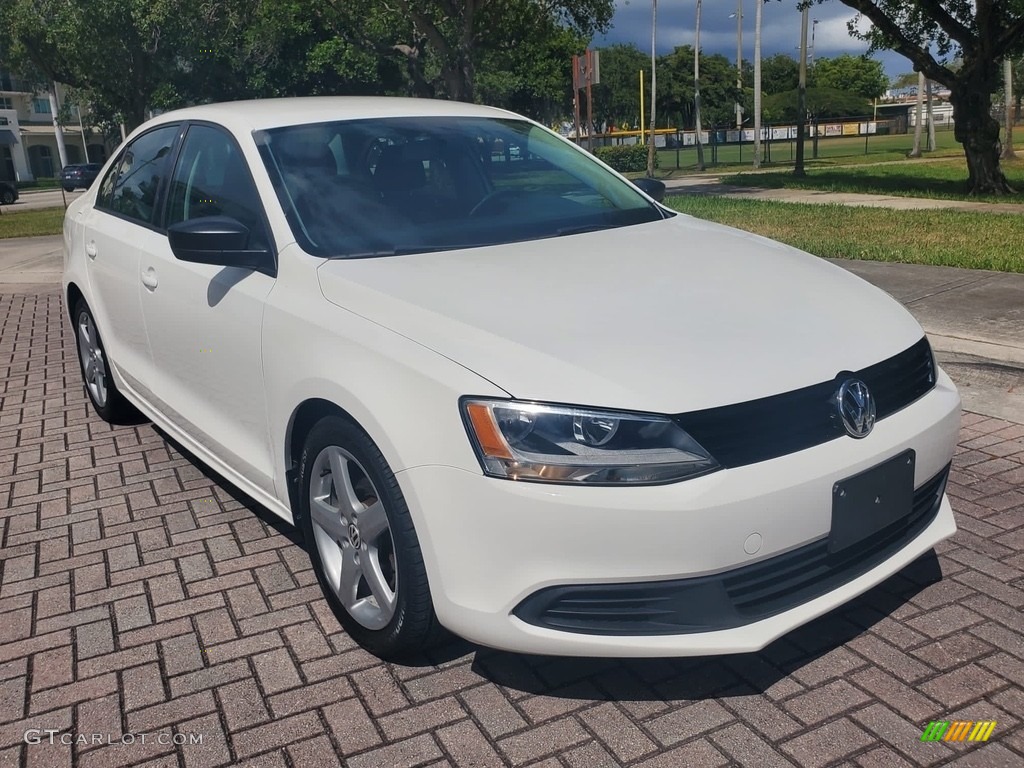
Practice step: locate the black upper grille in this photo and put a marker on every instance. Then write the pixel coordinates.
(758, 430)
(731, 599)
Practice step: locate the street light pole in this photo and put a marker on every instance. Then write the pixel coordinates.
(757, 84)
(801, 103)
(654, 30)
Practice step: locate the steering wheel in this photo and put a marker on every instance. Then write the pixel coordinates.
(489, 199)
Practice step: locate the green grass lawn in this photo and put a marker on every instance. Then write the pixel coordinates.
(942, 237)
(42, 221)
(946, 179)
(831, 152)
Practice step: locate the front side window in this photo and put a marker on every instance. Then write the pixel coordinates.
(212, 179)
(132, 185)
(373, 187)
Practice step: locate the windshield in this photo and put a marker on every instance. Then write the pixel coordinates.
(380, 187)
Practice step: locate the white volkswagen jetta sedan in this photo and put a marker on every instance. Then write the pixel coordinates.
(497, 387)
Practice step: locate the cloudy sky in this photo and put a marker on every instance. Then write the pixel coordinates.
(780, 29)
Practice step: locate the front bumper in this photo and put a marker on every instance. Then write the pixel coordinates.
(489, 544)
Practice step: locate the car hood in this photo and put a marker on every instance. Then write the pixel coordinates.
(671, 316)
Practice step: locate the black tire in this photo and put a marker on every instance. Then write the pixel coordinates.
(69, 189)
(414, 625)
(115, 408)
(7, 196)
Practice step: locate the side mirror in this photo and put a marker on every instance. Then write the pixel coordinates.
(218, 240)
(653, 187)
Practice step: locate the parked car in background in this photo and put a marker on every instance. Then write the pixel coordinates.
(519, 400)
(79, 176)
(8, 193)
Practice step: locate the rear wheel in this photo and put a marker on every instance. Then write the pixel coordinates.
(7, 196)
(92, 358)
(361, 541)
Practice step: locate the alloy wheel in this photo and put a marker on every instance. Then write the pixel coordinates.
(353, 537)
(93, 363)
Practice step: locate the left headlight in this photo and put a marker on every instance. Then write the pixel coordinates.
(564, 444)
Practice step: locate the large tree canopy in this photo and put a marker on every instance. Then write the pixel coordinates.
(858, 74)
(976, 33)
(457, 33)
(128, 56)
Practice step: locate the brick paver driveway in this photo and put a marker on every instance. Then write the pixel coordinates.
(142, 597)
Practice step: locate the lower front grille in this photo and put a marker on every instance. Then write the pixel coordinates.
(729, 599)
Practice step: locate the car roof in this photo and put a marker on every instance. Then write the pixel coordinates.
(246, 116)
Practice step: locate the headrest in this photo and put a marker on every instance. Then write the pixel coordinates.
(305, 150)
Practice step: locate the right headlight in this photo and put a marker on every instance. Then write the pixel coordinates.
(565, 444)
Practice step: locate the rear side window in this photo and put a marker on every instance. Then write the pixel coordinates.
(131, 186)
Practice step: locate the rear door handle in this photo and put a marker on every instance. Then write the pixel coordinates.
(149, 278)
(90, 250)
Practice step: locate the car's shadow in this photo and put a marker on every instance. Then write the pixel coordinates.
(648, 679)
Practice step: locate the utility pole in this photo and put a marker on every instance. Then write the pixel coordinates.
(739, 68)
(757, 84)
(696, 95)
(801, 103)
(654, 40)
(58, 132)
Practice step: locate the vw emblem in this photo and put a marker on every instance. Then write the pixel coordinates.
(353, 536)
(856, 408)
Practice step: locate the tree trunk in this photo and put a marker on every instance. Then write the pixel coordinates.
(978, 132)
(918, 122)
(931, 121)
(1008, 153)
(458, 79)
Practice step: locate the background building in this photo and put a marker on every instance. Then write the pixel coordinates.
(28, 144)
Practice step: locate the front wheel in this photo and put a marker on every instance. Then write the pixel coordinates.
(68, 189)
(109, 403)
(361, 541)
(7, 196)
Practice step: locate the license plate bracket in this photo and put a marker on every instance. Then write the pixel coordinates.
(872, 500)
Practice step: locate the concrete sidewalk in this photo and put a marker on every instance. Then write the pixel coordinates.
(712, 186)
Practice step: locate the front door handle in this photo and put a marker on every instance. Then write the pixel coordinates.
(149, 278)
(90, 249)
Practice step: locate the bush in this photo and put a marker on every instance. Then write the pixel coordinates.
(626, 158)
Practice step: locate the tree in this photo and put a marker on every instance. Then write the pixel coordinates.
(616, 97)
(457, 32)
(981, 33)
(779, 73)
(676, 92)
(531, 76)
(859, 74)
(821, 102)
(121, 51)
(904, 82)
